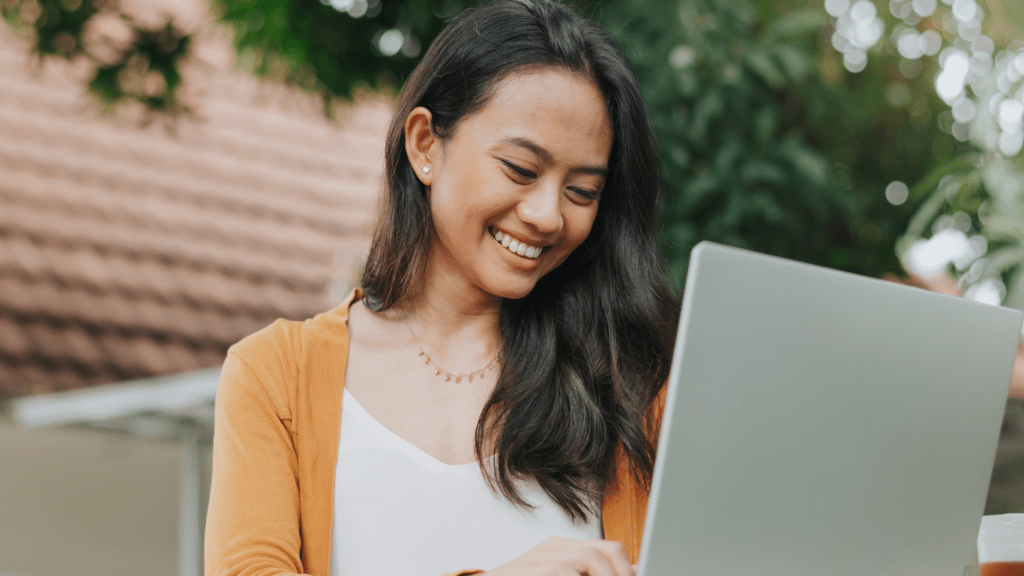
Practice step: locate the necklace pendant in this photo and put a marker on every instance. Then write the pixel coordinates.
(458, 376)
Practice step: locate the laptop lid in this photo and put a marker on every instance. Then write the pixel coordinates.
(823, 423)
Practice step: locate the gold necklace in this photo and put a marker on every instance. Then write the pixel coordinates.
(457, 375)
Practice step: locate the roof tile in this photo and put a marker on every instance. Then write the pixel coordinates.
(13, 340)
(129, 250)
(81, 346)
(27, 256)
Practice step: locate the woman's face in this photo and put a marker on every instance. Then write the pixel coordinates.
(515, 189)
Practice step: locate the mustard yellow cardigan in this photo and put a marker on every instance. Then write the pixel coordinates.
(278, 419)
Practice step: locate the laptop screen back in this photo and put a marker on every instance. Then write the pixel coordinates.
(823, 423)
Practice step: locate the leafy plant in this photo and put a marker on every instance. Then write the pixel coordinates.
(131, 62)
(334, 47)
(767, 143)
(970, 215)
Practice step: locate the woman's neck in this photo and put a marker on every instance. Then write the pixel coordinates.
(452, 326)
(449, 313)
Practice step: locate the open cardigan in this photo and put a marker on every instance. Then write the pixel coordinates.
(277, 426)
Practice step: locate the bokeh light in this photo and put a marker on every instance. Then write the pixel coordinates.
(969, 67)
(897, 193)
(857, 29)
(390, 42)
(682, 56)
(950, 82)
(355, 8)
(394, 41)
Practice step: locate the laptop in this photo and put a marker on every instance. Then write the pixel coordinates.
(820, 423)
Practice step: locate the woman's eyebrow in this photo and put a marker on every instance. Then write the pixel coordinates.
(546, 157)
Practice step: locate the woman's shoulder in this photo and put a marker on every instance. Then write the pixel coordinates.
(290, 342)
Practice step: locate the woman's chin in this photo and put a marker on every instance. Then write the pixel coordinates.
(513, 294)
(513, 291)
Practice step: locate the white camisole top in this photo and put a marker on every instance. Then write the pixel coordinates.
(400, 511)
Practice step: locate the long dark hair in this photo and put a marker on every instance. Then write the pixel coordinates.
(586, 352)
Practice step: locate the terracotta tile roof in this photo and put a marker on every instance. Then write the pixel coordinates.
(129, 250)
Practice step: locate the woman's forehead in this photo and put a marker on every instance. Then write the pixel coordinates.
(545, 111)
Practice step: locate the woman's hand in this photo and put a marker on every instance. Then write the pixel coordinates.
(567, 557)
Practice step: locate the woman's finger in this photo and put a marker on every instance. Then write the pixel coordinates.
(617, 556)
(596, 557)
(566, 557)
(592, 560)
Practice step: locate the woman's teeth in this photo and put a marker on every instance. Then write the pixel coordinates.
(524, 250)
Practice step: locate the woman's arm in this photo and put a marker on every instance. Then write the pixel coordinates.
(252, 526)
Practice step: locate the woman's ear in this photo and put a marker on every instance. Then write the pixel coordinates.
(421, 144)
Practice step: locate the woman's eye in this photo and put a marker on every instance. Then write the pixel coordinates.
(586, 194)
(523, 172)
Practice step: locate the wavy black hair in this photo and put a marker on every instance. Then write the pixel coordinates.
(586, 352)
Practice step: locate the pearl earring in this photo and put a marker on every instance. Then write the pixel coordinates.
(426, 169)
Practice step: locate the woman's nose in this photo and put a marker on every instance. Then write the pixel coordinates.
(541, 209)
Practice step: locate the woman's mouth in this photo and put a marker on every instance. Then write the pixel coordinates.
(515, 246)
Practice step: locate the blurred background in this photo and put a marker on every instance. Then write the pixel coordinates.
(175, 174)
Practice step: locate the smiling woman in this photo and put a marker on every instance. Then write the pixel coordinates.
(493, 384)
(515, 189)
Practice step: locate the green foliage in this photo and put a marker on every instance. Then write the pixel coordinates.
(971, 187)
(332, 51)
(145, 69)
(738, 169)
(986, 190)
(758, 149)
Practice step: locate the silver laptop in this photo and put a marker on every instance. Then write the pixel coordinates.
(820, 423)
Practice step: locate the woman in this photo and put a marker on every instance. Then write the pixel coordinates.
(491, 385)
